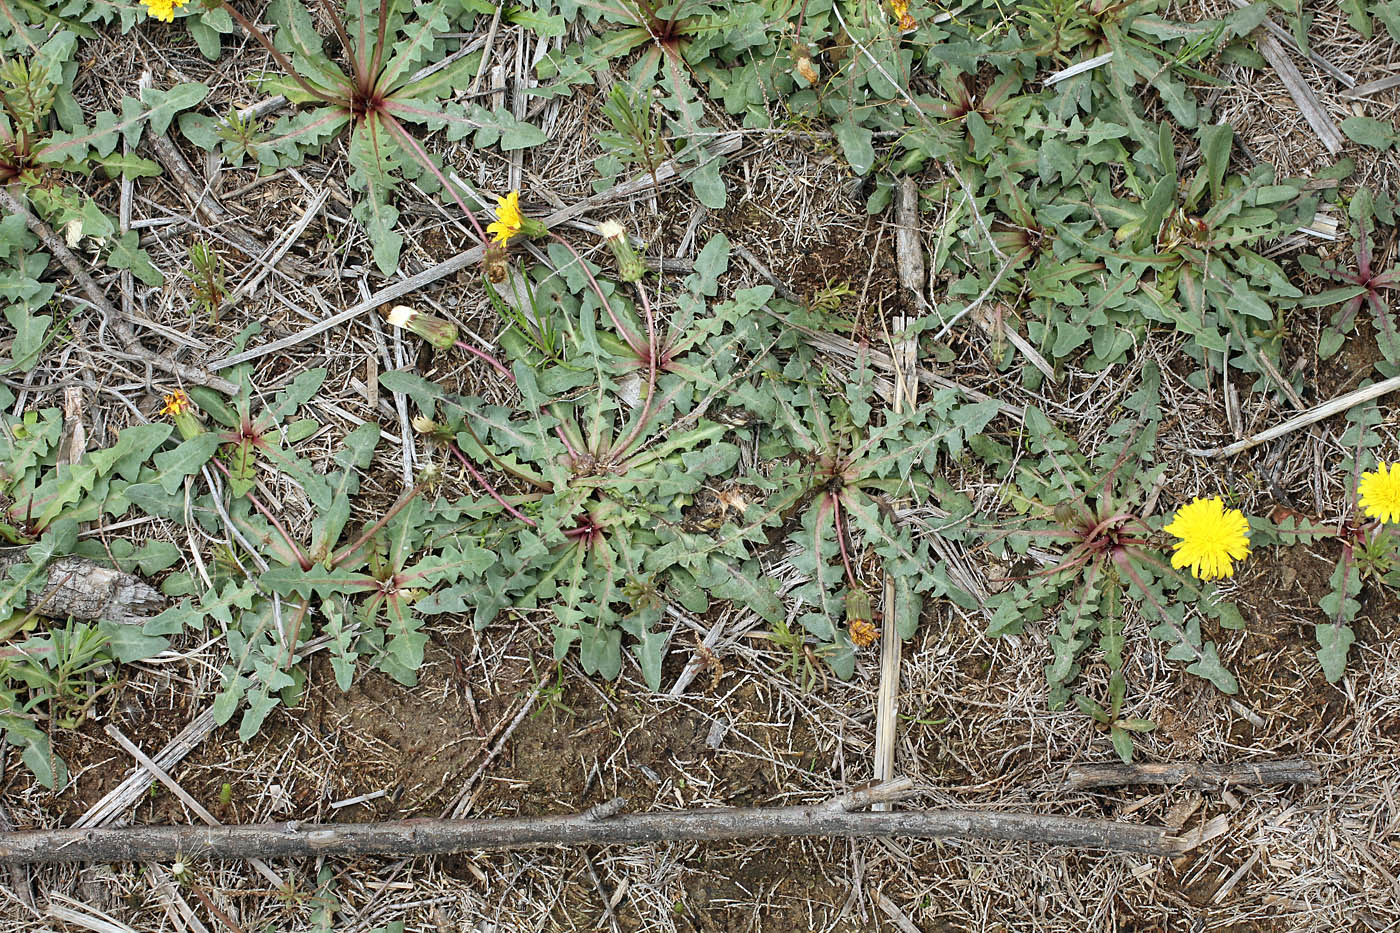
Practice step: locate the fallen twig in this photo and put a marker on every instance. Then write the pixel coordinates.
(438, 837)
(1286, 37)
(1298, 88)
(1195, 775)
(1313, 415)
(59, 250)
(86, 590)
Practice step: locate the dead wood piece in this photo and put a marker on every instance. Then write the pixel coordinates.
(87, 591)
(1196, 775)
(1313, 415)
(111, 316)
(210, 210)
(908, 251)
(1302, 93)
(438, 837)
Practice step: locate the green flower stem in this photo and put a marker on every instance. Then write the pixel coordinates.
(536, 481)
(344, 553)
(567, 431)
(281, 59)
(418, 153)
(267, 514)
(486, 485)
(621, 449)
(841, 540)
(622, 331)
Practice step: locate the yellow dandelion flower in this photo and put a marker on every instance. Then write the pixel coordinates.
(509, 220)
(1379, 492)
(175, 403)
(1212, 538)
(163, 10)
(900, 9)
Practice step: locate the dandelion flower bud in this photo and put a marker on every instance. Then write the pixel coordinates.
(629, 265)
(181, 410)
(441, 334)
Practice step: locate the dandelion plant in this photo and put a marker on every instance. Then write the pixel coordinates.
(392, 76)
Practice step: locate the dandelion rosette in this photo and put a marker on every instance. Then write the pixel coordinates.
(1212, 538)
(1378, 493)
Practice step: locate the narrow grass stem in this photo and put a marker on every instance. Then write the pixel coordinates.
(483, 355)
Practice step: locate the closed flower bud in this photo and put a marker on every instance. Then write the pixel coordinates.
(630, 267)
(441, 334)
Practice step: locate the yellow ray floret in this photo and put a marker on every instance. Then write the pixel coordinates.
(1212, 538)
(900, 9)
(1378, 494)
(163, 10)
(175, 403)
(508, 218)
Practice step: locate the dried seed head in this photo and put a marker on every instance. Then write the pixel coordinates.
(630, 267)
(495, 262)
(441, 334)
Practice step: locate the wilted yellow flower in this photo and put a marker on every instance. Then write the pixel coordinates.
(163, 10)
(900, 9)
(1212, 538)
(509, 220)
(175, 403)
(863, 633)
(181, 410)
(1379, 492)
(859, 619)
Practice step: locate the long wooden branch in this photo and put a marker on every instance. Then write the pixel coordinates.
(1195, 775)
(595, 827)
